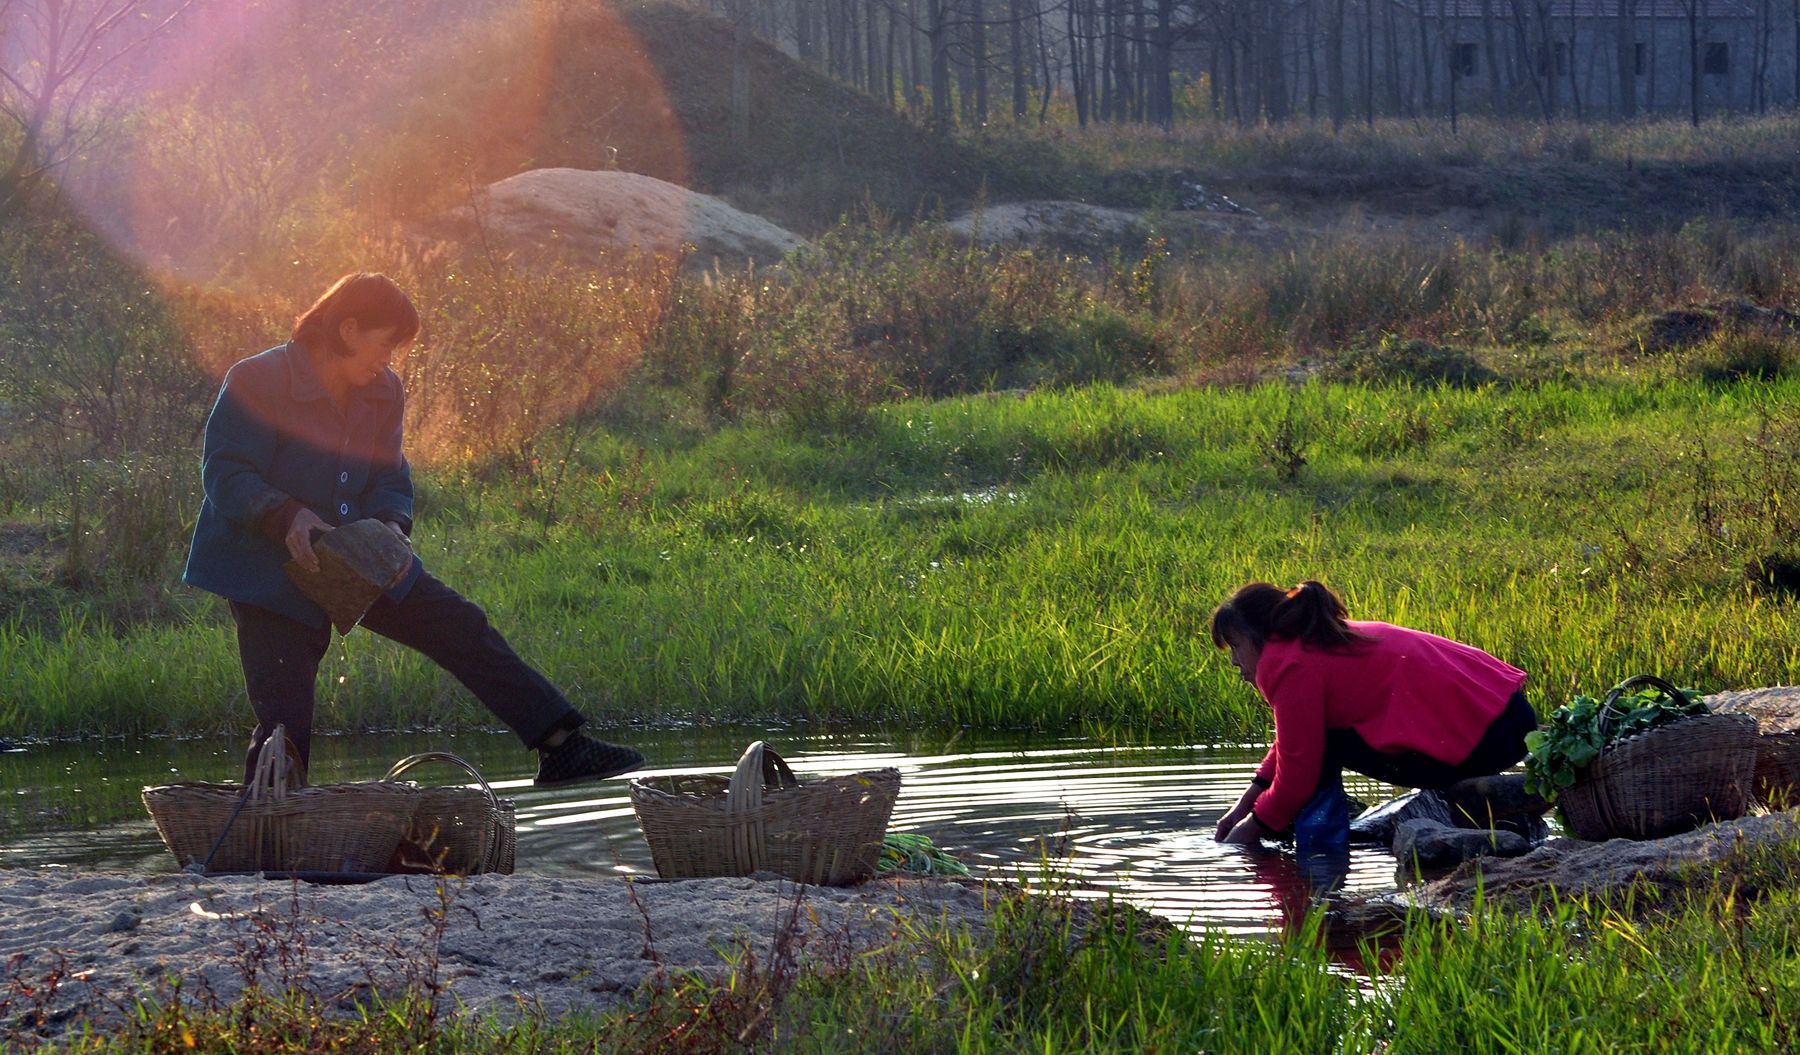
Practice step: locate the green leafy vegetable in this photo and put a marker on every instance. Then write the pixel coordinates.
(913, 854)
(1576, 734)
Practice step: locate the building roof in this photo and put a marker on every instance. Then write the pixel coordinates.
(1590, 9)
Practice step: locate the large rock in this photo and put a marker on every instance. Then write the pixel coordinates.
(584, 214)
(1432, 844)
(1377, 825)
(1094, 231)
(1572, 868)
(1482, 802)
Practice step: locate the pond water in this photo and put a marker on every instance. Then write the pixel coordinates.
(1133, 821)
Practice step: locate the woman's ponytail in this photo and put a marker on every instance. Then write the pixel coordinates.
(1261, 611)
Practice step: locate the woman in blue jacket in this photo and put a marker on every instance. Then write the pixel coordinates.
(306, 437)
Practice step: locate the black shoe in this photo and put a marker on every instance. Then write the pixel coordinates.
(582, 758)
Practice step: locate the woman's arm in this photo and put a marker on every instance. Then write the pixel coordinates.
(236, 454)
(1235, 816)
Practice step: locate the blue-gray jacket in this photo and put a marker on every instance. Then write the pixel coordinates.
(275, 434)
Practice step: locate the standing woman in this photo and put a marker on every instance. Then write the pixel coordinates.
(306, 437)
(1403, 706)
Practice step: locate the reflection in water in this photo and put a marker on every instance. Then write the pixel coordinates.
(1132, 821)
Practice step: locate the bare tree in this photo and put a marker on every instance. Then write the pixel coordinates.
(60, 70)
(1627, 58)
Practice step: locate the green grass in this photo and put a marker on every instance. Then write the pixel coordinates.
(1045, 561)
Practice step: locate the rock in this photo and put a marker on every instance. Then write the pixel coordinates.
(1197, 197)
(1093, 231)
(356, 563)
(586, 214)
(1727, 852)
(1480, 802)
(1532, 829)
(123, 922)
(1433, 844)
(1376, 826)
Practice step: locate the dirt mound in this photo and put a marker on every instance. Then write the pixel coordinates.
(585, 214)
(1685, 327)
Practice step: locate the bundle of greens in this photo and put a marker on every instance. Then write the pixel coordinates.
(1576, 733)
(911, 854)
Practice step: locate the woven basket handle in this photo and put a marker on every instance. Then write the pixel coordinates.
(275, 761)
(490, 852)
(758, 767)
(1609, 713)
(410, 761)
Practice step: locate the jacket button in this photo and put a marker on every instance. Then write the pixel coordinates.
(344, 509)
(343, 478)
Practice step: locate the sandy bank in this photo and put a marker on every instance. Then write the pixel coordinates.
(502, 943)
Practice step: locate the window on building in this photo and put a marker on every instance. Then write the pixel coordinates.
(1718, 59)
(1640, 59)
(1463, 59)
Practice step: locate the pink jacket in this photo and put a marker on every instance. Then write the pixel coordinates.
(1402, 691)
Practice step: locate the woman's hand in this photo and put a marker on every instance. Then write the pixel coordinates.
(299, 538)
(1230, 821)
(1247, 832)
(1237, 813)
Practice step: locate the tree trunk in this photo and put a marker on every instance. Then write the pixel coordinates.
(938, 39)
(1077, 82)
(1368, 62)
(1334, 65)
(1396, 90)
(1162, 66)
(1627, 58)
(1312, 60)
(1427, 100)
(1016, 58)
(978, 58)
(1107, 38)
(1140, 68)
(1693, 19)
(915, 62)
(1491, 44)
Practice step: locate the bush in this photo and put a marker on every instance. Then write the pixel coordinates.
(1738, 355)
(1413, 361)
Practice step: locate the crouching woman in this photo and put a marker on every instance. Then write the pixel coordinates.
(1402, 706)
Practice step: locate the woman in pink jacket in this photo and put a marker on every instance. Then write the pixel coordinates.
(1402, 706)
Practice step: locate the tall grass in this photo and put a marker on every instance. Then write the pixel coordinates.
(1047, 561)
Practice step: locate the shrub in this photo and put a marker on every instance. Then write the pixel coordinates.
(1413, 361)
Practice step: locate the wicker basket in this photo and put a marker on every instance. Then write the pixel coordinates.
(1777, 714)
(1665, 780)
(278, 824)
(763, 819)
(466, 830)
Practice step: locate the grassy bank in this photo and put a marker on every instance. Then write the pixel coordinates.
(1042, 561)
(1711, 973)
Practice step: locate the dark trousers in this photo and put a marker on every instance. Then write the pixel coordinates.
(1500, 747)
(281, 663)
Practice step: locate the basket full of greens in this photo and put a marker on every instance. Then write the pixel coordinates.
(1647, 760)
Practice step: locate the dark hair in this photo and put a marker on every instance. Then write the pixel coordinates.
(1259, 611)
(372, 300)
